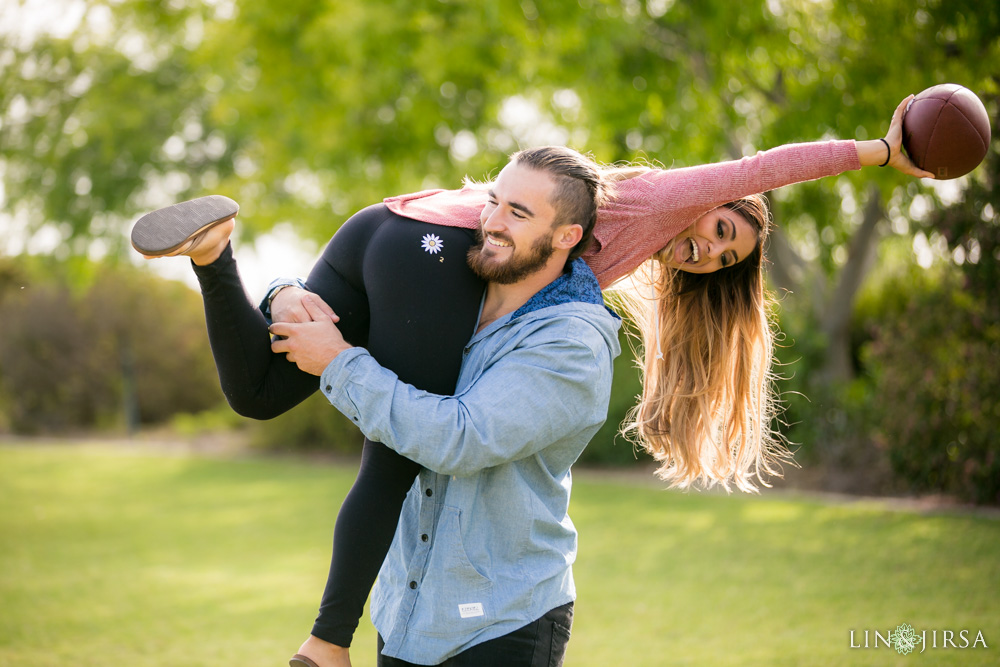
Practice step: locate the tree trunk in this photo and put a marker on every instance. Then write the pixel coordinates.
(836, 318)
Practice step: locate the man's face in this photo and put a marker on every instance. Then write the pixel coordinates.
(516, 226)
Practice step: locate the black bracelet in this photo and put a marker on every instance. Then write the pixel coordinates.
(888, 152)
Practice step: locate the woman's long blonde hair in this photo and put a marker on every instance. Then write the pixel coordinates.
(708, 402)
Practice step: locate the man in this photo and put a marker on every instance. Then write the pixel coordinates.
(479, 571)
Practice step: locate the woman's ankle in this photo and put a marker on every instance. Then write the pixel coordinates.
(209, 246)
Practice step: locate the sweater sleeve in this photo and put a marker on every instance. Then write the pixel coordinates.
(651, 209)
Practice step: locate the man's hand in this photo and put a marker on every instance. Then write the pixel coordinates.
(311, 345)
(288, 306)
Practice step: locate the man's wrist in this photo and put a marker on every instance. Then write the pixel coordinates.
(335, 352)
(334, 377)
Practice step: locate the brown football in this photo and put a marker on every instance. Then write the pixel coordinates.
(946, 130)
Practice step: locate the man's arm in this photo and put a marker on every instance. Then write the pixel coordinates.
(523, 402)
(554, 383)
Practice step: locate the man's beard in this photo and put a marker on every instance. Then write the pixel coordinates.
(515, 268)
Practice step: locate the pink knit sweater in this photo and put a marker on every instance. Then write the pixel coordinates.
(652, 208)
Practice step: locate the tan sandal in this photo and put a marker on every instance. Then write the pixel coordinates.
(299, 660)
(166, 230)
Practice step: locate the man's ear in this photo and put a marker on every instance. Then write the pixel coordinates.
(567, 236)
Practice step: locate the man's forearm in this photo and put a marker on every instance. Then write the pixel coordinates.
(526, 401)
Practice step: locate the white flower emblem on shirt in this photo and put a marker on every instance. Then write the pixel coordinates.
(432, 243)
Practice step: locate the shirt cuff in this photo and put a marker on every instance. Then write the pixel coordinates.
(335, 381)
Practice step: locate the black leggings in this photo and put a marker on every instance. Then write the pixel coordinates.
(403, 291)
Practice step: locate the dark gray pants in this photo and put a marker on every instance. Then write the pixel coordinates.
(541, 643)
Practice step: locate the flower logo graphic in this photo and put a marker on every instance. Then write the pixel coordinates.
(432, 243)
(905, 639)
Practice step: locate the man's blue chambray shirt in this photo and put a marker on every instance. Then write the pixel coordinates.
(484, 544)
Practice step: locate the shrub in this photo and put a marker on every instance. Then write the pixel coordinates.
(101, 347)
(608, 447)
(938, 393)
(313, 425)
(826, 422)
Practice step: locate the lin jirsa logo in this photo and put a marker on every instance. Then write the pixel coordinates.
(904, 639)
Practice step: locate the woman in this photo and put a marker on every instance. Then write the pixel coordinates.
(706, 404)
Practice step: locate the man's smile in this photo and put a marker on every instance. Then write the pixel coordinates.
(494, 241)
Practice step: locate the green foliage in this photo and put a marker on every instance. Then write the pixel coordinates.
(118, 348)
(86, 129)
(935, 354)
(923, 345)
(937, 391)
(608, 447)
(91, 346)
(311, 111)
(828, 422)
(313, 425)
(215, 420)
(971, 225)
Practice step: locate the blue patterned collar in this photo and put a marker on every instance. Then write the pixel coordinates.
(577, 284)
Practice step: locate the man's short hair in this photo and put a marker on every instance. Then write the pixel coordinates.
(580, 188)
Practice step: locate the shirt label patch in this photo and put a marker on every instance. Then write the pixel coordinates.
(471, 610)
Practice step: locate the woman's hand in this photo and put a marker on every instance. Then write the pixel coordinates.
(312, 343)
(873, 153)
(288, 305)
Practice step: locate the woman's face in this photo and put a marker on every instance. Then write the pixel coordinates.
(720, 238)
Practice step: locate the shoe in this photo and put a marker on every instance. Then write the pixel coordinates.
(166, 230)
(299, 660)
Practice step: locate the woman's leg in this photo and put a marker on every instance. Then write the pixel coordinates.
(258, 383)
(424, 306)
(403, 290)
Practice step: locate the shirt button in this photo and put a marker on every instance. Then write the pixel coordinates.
(424, 538)
(413, 585)
(328, 388)
(429, 493)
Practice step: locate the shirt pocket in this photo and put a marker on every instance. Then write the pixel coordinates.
(460, 595)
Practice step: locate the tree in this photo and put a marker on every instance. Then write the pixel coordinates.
(301, 112)
(307, 111)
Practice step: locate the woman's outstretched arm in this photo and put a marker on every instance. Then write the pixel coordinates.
(653, 206)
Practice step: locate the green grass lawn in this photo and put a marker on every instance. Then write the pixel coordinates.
(115, 556)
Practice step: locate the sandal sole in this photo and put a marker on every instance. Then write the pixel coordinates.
(164, 230)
